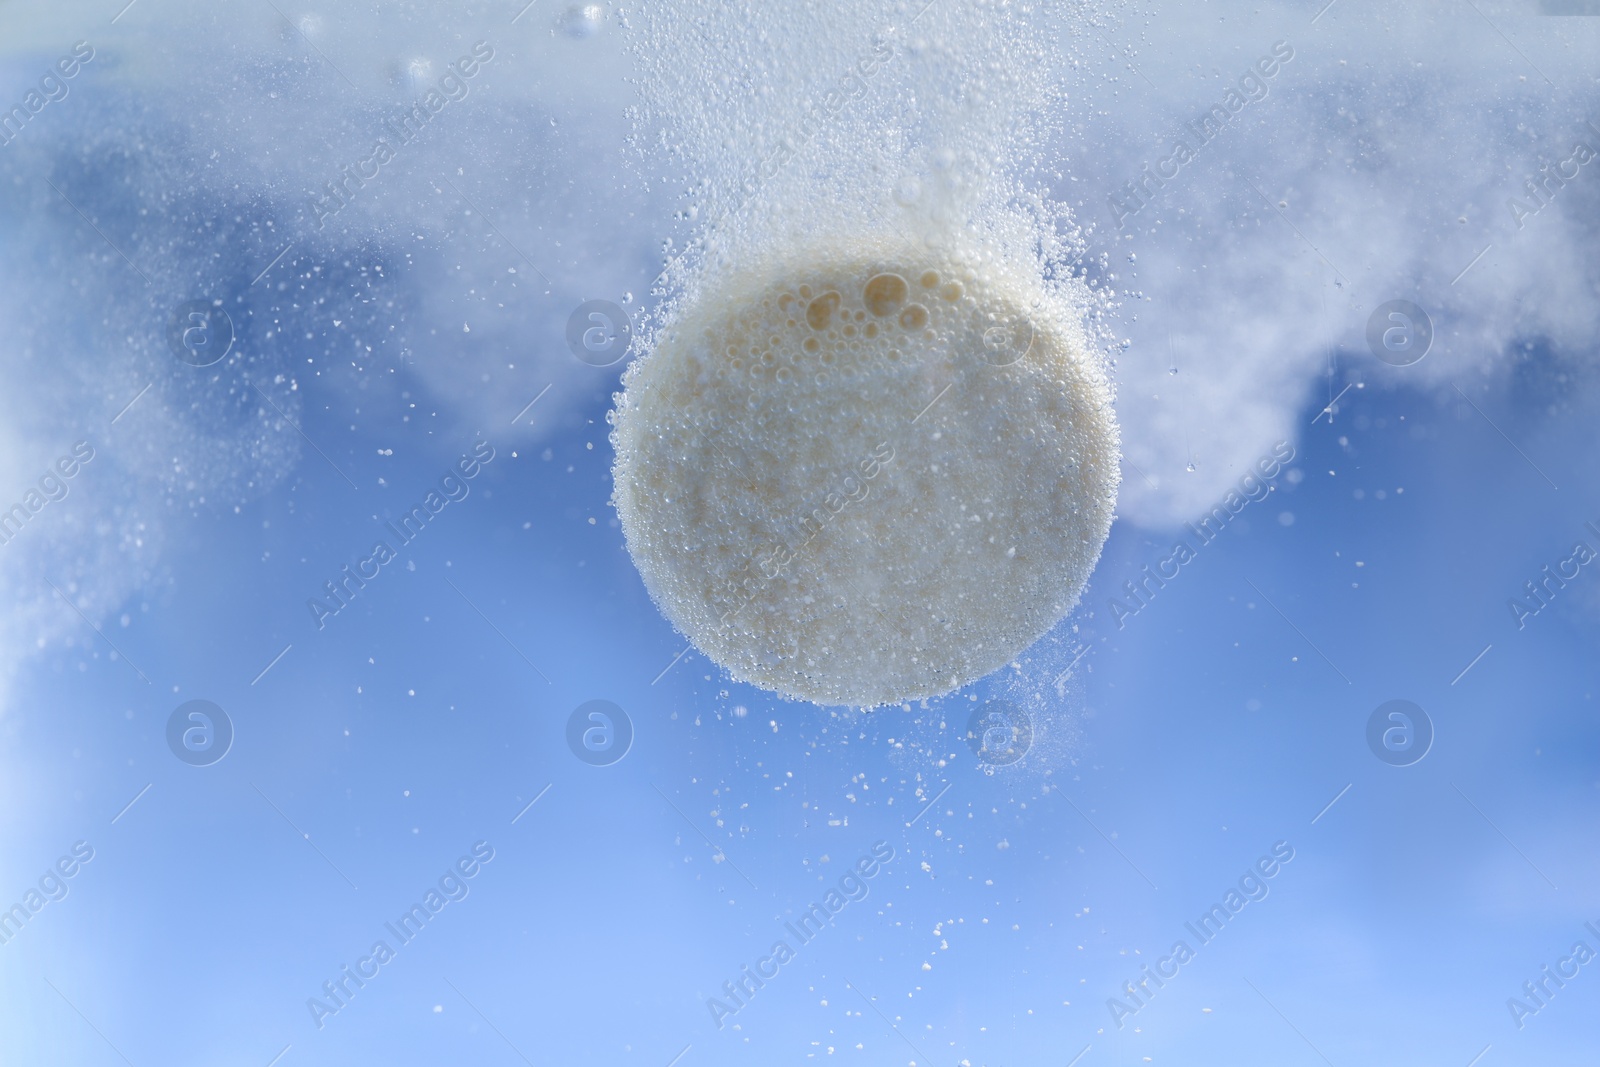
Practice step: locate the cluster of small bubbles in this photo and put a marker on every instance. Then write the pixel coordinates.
(802, 315)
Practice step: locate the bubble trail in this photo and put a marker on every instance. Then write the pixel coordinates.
(868, 453)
